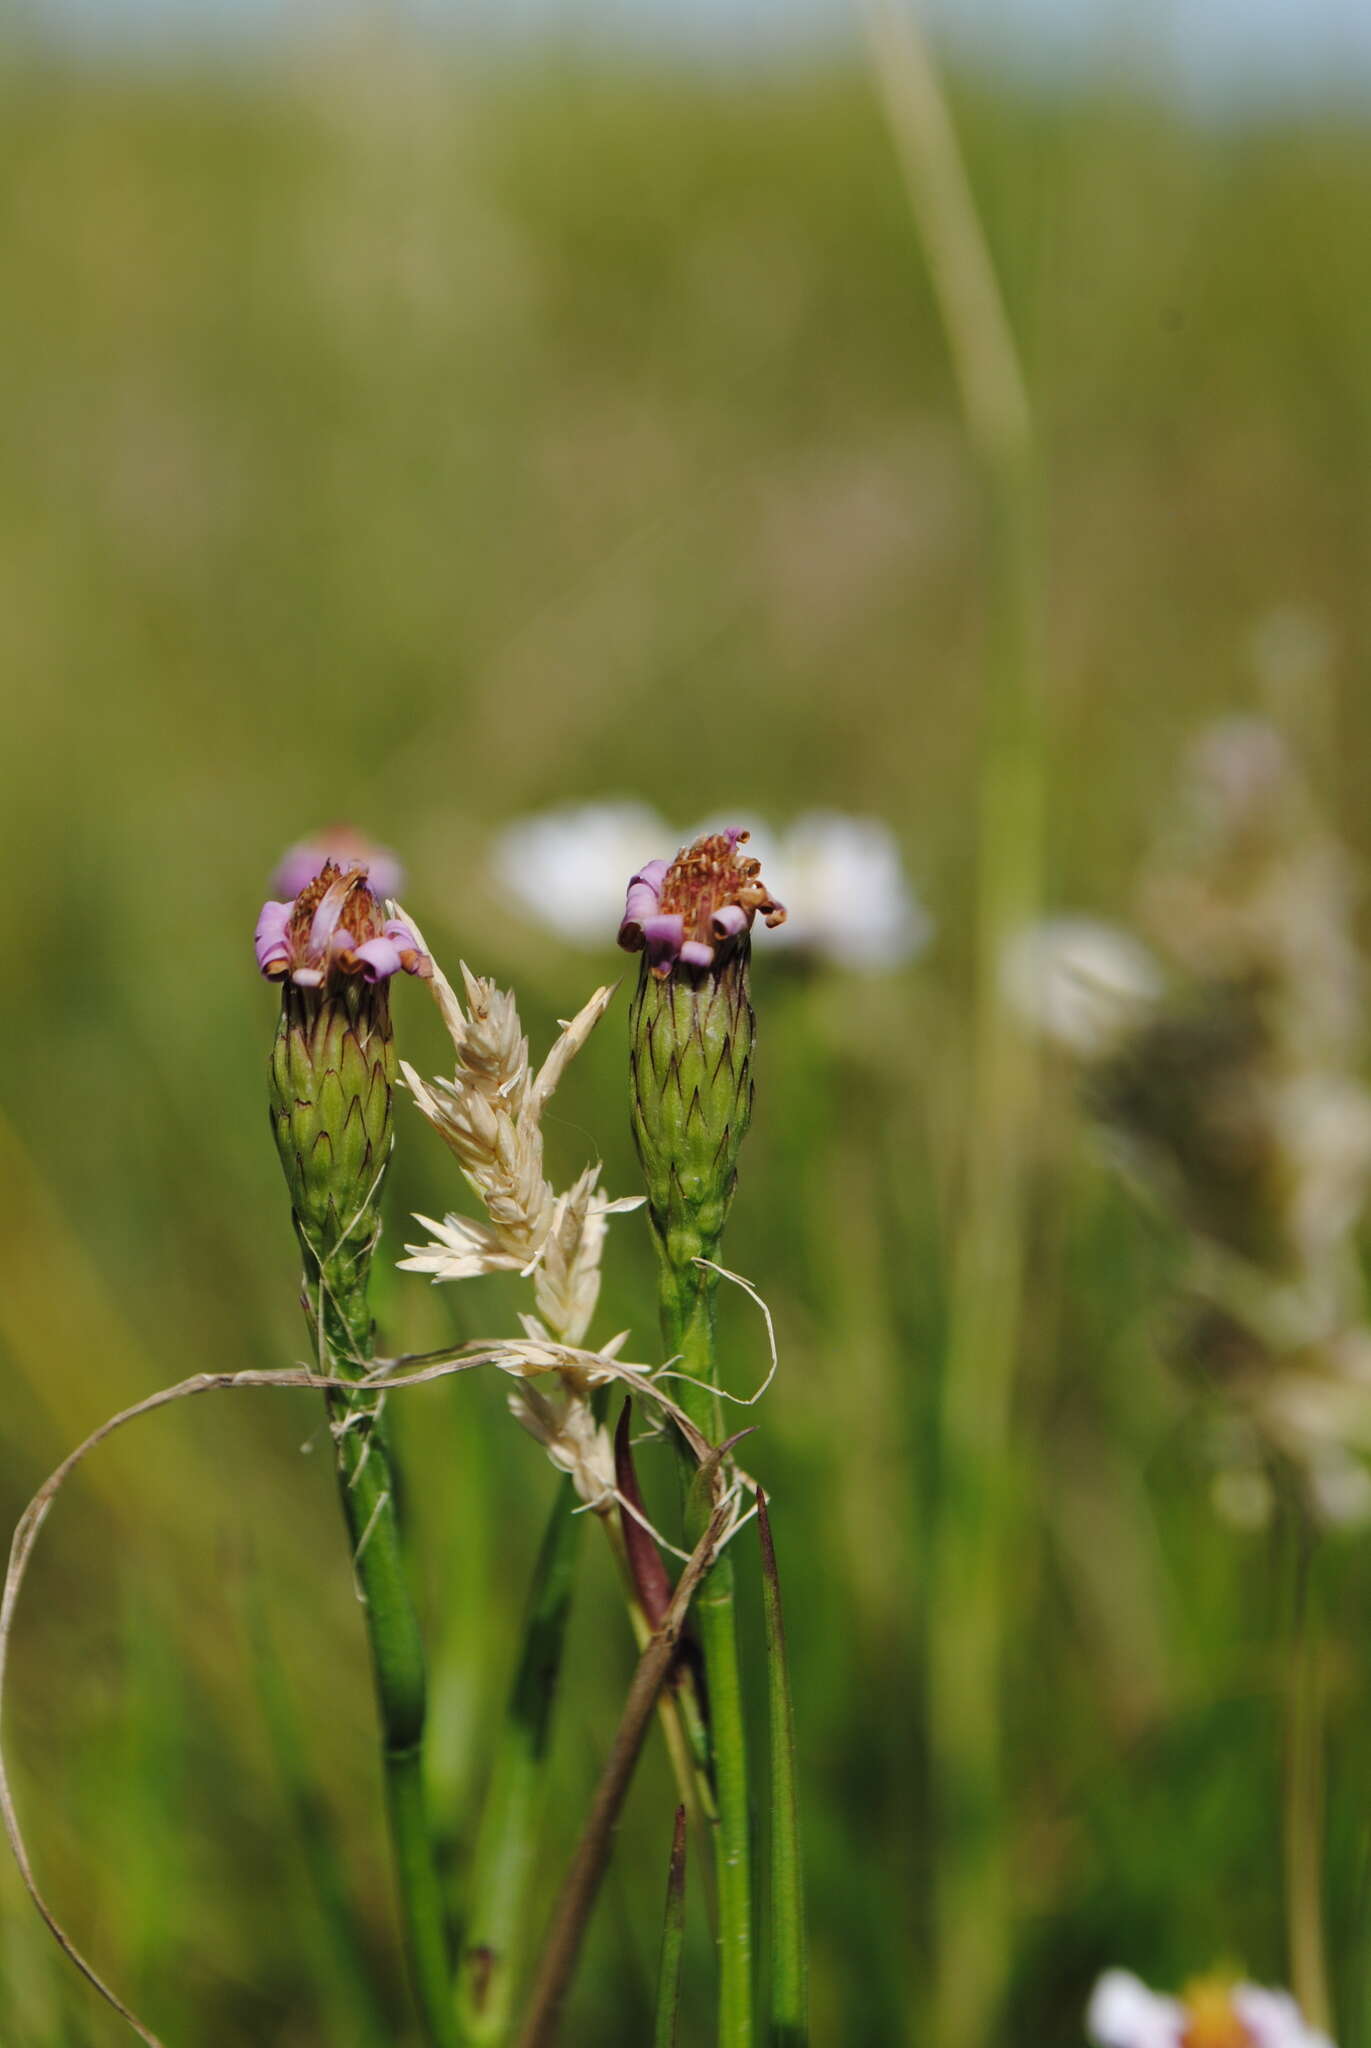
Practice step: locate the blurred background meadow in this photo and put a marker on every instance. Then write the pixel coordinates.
(426, 428)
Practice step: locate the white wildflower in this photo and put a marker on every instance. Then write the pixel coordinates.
(1080, 982)
(846, 892)
(566, 868)
(847, 897)
(1123, 2013)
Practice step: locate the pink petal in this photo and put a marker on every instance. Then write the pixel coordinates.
(349, 849)
(413, 958)
(270, 940)
(729, 922)
(641, 901)
(380, 959)
(695, 953)
(663, 936)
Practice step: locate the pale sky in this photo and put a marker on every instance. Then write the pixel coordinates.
(1209, 48)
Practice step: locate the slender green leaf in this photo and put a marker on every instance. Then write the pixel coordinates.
(665, 2033)
(788, 2017)
(506, 1859)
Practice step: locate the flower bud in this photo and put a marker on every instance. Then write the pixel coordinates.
(691, 1031)
(333, 1063)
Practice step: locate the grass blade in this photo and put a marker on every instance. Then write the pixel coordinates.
(665, 2033)
(788, 2016)
(506, 1860)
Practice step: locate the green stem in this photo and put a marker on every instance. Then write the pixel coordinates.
(1304, 1790)
(967, 1599)
(337, 1303)
(687, 1301)
(507, 1841)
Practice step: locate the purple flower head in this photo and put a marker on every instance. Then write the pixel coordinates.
(346, 849)
(694, 909)
(334, 927)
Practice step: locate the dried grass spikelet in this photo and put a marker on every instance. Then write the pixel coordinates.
(489, 1113)
(1234, 1094)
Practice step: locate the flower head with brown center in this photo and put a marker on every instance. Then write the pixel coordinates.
(694, 909)
(335, 926)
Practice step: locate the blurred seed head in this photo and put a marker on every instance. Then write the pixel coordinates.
(1224, 1063)
(1084, 984)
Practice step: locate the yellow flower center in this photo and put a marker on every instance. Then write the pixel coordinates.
(1210, 2019)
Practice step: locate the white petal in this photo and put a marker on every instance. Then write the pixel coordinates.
(568, 869)
(843, 884)
(1273, 2019)
(1123, 2013)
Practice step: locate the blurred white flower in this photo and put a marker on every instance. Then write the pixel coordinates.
(1123, 2013)
(846, 892)
(567, 868)
(1080, 982)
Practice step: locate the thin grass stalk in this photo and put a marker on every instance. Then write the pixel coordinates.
(666, 2027)
(572, 1914)
(678, 1709)
(1304, 1784)
(966, 1606)
(788, 2013)
(688, 1324)
(504, 1865)
(336, 1294)
(505, 1860)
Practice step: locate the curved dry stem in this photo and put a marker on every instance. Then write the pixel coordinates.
(412, 1370)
